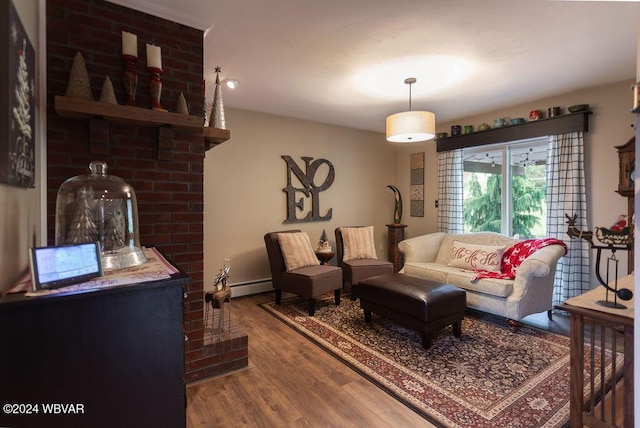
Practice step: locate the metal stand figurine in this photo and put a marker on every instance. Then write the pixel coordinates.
(612, 241)
(217, 298)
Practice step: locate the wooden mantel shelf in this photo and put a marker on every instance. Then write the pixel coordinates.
(79, 108)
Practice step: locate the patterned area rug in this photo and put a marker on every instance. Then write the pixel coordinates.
(489, 377)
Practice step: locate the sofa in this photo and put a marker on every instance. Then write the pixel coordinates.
(432, 256)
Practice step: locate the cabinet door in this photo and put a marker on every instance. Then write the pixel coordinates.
(118, 355)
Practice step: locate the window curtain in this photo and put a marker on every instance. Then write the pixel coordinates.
(566, 194)
(450, 192)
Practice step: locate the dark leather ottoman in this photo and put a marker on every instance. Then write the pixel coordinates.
(420, 304)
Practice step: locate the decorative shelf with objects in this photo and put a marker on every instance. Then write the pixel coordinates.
(70, 107)
(570, 122)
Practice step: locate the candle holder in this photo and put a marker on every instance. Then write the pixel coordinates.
(130, 78)
(155, 85)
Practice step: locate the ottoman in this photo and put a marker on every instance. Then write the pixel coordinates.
(418, 303)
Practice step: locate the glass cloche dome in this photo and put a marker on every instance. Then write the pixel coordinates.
(100, 207)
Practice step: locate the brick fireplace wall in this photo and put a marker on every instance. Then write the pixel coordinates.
(163, 165)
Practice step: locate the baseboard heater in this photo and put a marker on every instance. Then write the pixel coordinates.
(246, 288)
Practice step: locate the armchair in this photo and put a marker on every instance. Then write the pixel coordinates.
(356, 256)
(303, 276)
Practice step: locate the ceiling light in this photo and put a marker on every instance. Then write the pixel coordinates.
(411, 126)
(231, 83)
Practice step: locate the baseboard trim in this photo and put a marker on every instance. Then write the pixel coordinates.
(251, 287)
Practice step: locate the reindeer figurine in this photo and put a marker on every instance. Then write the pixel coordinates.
(220, 294)
(573, 231)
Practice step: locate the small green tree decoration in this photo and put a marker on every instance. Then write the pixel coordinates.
(323, 243)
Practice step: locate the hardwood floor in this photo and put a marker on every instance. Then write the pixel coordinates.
(291, 382)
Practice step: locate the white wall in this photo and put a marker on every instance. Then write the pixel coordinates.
(244, 178)
(20, 216)
(609, 126)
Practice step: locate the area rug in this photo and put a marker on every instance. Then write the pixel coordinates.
(490, 377)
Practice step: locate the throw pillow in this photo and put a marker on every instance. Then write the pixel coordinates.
(358, 243)
(476, 257)
(296, 250)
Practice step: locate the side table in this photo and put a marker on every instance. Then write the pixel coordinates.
(614, 405)
(325, 256)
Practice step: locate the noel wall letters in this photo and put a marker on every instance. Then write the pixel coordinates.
(308, 189)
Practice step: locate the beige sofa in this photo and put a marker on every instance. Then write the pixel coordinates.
(530, 292)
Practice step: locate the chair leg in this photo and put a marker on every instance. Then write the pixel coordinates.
(354, 292)
(278, 297)
(550, 315)
(336, 295)
(312, 306)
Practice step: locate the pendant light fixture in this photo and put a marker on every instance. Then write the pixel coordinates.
(411, 126)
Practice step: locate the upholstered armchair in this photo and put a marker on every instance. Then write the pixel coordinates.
(296, 269)
(356, 256)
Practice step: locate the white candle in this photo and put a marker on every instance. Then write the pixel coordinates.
(154, 56)
(129, 44)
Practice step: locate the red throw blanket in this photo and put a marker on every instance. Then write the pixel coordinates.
(515, 255)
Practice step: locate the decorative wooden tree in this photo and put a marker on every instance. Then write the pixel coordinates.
(83, 226)
(114, 237)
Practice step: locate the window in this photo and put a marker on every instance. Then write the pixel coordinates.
(505, 188)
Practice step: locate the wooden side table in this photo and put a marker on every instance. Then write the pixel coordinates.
(395, 235)
(615, 328)
(325, 256)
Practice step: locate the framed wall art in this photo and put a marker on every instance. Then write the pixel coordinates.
(18, 91)
(417, 184)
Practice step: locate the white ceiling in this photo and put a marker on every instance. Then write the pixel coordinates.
(344, 62)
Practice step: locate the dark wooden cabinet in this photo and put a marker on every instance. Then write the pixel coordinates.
(117, 353)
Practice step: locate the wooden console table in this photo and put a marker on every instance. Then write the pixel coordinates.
(607, 330)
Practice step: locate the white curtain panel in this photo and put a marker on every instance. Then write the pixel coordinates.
(566, 194)
(450, 192)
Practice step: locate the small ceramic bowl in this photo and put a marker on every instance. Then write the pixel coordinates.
(517, 120)
(535, 114)
(484, 127)
(578, 107)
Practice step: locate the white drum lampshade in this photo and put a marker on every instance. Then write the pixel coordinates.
(411, 126)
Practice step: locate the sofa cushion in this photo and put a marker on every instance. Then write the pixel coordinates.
(296, 250)
(460, 278)
(476, 257)
(358, 243)
(433, 271)
(495, 287)
(479, 238)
